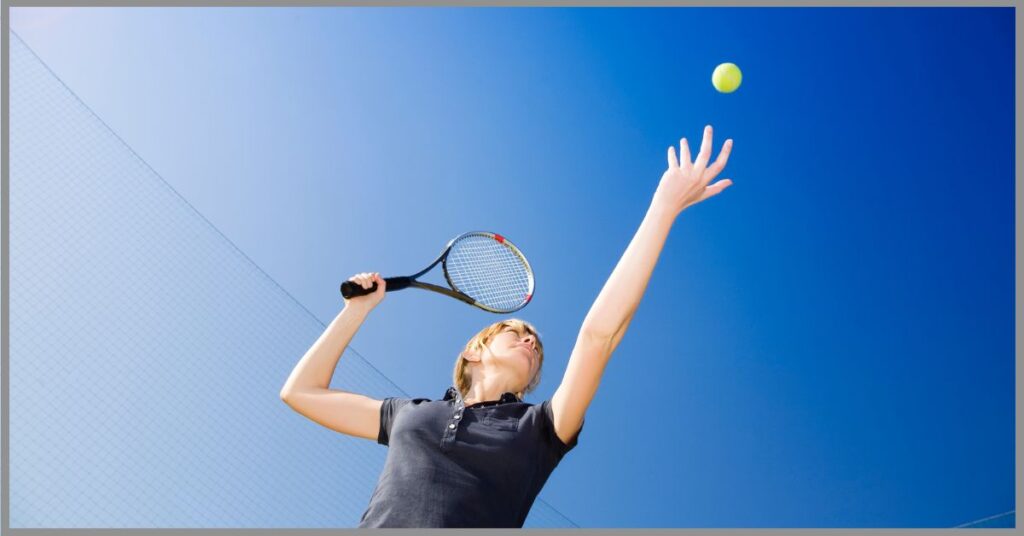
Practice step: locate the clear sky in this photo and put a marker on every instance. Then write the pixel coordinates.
(828, 343)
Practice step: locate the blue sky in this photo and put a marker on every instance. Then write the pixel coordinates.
(828, 343)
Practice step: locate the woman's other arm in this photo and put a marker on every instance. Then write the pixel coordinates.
(307, 388)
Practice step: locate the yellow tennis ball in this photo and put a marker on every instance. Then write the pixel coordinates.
(726, 78)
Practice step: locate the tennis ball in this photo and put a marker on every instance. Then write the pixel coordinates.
(726, 78)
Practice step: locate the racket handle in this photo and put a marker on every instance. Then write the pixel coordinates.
(352, 290)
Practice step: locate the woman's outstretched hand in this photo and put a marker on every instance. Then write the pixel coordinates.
(685, 183)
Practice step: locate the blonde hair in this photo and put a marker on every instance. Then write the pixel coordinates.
(462, 377)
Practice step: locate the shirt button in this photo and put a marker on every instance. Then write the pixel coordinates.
(452, 425)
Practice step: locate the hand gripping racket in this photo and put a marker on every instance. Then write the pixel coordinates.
(483, 269)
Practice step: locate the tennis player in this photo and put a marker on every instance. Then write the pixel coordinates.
(479, 456)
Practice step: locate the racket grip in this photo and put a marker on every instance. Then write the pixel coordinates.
(352, 290)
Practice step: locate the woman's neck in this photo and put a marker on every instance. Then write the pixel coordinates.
(485, 392)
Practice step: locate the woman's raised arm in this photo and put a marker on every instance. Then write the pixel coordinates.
(681, 186)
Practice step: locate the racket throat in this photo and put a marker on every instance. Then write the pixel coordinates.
(446, 291)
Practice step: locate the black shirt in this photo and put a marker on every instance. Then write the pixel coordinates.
(449, 466)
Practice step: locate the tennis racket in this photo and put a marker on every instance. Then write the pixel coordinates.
(482, 269)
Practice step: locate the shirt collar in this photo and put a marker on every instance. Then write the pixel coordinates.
(453, 394)
(510, 397)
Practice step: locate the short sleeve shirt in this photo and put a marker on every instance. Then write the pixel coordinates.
(454, 466)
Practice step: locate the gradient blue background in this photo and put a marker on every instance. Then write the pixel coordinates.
(828, 343)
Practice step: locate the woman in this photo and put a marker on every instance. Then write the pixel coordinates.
(480, 456)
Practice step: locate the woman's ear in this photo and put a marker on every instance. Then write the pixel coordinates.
(471, 356)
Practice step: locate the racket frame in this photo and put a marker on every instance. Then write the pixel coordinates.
(456, 293)
(398, 283)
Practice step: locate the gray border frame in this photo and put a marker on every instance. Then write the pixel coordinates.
(5, 6)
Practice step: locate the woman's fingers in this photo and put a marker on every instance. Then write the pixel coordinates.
(364, 279)
(723, 157)
(684, 150)
(705, 150)
(715, 189)
(672, 162)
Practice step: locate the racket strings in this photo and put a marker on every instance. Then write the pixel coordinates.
(498, 287)
(489, 272)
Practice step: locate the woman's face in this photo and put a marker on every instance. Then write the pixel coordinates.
(516, 351)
